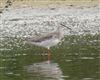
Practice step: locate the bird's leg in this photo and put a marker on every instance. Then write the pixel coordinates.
(49, 55)
(43, 54)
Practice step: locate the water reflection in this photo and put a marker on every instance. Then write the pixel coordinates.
(46, 70)
(64, 67)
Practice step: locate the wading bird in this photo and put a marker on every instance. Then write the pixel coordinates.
(49, 40)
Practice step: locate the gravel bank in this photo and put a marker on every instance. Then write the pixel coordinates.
(29, 21)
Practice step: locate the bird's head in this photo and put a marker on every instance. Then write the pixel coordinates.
(60, 29)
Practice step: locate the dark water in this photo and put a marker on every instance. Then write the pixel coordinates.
(77, 58)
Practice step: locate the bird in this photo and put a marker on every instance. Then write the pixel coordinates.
(48, 40)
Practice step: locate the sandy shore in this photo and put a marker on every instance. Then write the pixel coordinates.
(49, 3)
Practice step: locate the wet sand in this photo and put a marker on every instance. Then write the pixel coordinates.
(49, 3)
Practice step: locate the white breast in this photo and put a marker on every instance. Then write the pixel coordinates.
(49, 43)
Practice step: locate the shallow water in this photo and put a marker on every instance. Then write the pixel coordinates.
(71, 60)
